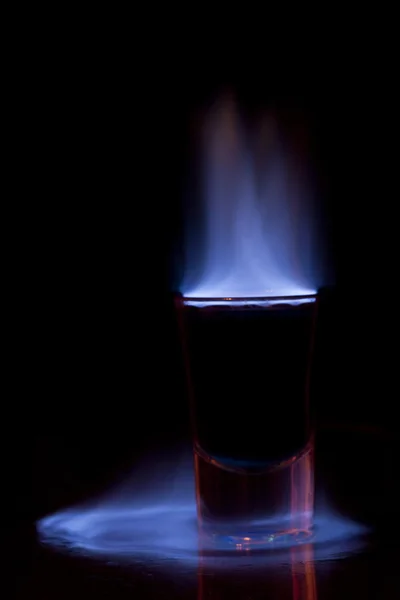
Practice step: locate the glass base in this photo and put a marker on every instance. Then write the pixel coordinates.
(247, 509)
(254, 540)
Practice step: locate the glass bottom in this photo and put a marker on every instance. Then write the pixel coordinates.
(243, 510)
(210, 540)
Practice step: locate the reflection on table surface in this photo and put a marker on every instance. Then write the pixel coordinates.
(295, 580)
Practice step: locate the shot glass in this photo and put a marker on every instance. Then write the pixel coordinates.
(248, 365)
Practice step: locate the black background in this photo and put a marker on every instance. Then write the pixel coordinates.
(96, 367)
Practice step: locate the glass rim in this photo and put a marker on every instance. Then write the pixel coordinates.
(264, 301)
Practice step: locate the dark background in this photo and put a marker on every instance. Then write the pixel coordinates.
(98, 379)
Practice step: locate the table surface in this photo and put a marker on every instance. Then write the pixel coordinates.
(356, 476)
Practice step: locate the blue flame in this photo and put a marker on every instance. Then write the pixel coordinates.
(123, 527)
(259, 239)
